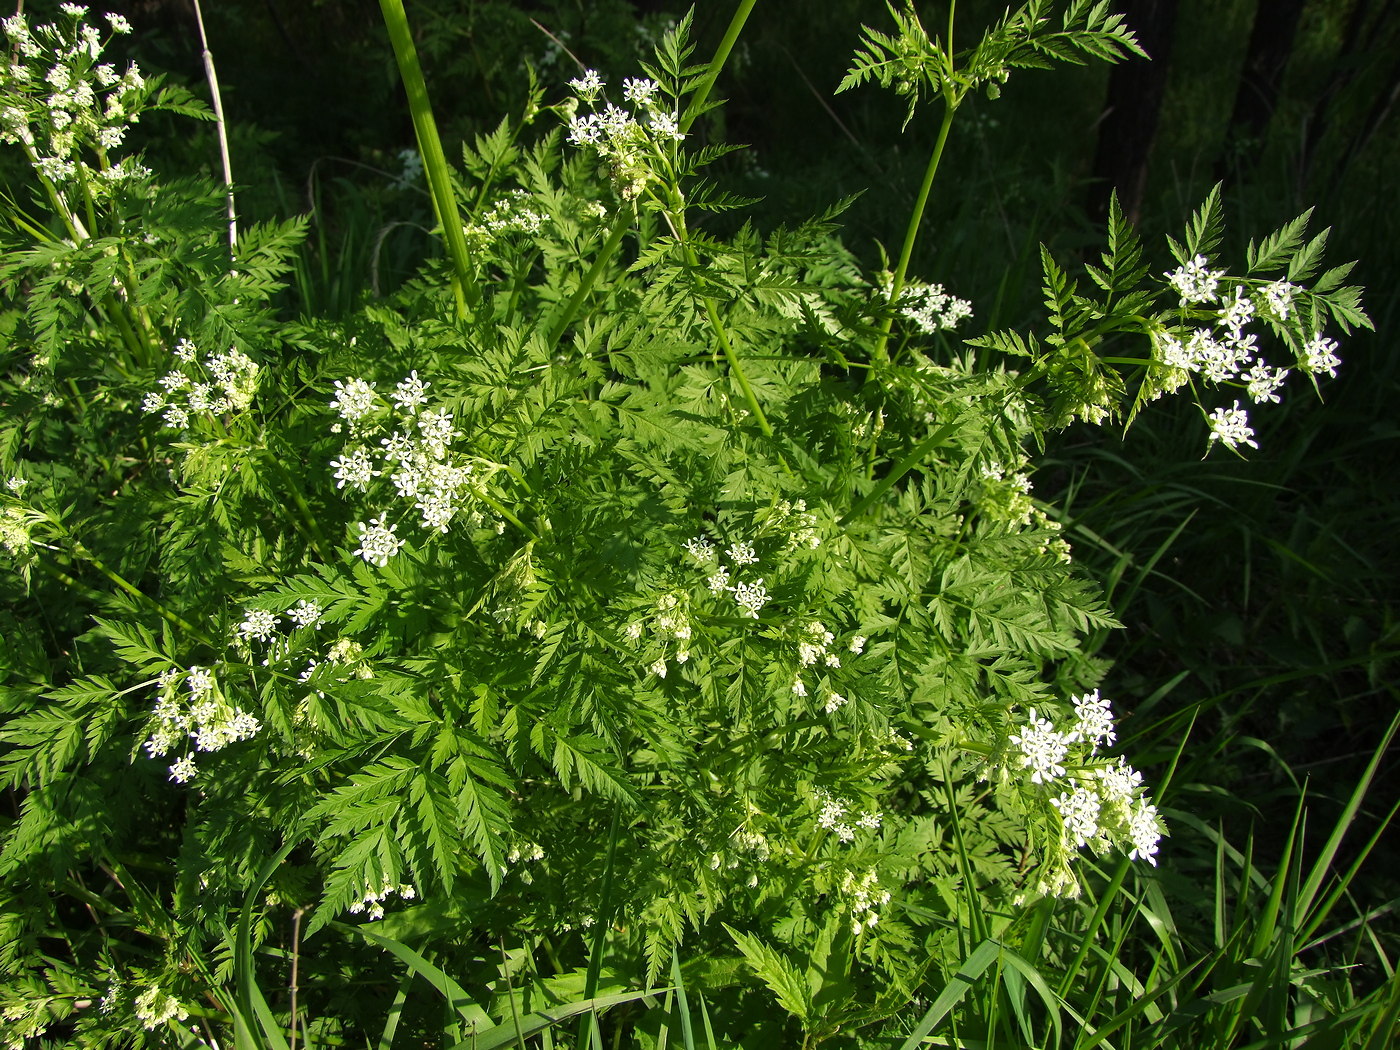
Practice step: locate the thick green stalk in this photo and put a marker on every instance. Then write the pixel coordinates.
(721, 56)
(430, 148)
(916, 217)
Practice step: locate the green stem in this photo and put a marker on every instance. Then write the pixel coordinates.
(464, 287)
(677, 219)
(733, 358)
(915, 219)
(501, 509)
(904, 466)
(721, 56)
(621, 225)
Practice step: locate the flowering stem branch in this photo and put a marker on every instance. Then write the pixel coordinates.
(621, 225)
(915, 218)
(464, 287)
(721, 56)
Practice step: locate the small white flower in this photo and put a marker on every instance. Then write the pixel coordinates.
(354, 468)
(1231, 425)
(701, 549)
(305, 614)
(751, 597)
(411, 393)
(1145, 832)
(1080, 810)
(719, 581)
(354, 399)
(1195, 282)
(833, 702)
(634, 630)
(1043, 750)
(1278, 298)
(858, 644)
(118, 23)
(664, 126)
(1094, 720)
(1320, 355)
(1263, 382)
(658, 668)
(639, 90)
(589, 86)
(258, 623)
(16, 484)
(377, 542)
(742, 554)
(198, 681)
(183, 770)
(1238, 312)
(799, 688)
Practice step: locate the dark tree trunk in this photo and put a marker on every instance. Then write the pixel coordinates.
(1261, 80)
(1129, 123)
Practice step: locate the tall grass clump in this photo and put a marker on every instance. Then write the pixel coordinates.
(623, 630)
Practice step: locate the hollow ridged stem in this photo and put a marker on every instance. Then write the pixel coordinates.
(721, 56)
(464, 287)
(916, 218)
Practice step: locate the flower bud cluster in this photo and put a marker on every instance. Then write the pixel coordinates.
(1224, 352)
(58, 98)
(670, 625)
(223, 383)
(864, 894)
(372, 903)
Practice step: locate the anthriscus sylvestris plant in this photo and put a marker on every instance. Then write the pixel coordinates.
(612, 583)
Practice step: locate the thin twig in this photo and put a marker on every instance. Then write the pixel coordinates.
(296, 956)
(213, 77)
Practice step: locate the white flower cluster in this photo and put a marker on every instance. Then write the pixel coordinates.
(15, 526)
(372, 903)
(511, 214)
(749, 596)
(837, 815)
(670, 624)
(416, 456)
(154, 1008)
(931, 308)
(866, 894)
(201, 713)
(1102, 803)
(1226, 353)
(630, 141)
(263, 625)
(223, 383)
(58, 98)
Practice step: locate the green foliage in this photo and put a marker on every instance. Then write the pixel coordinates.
(616, 577)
